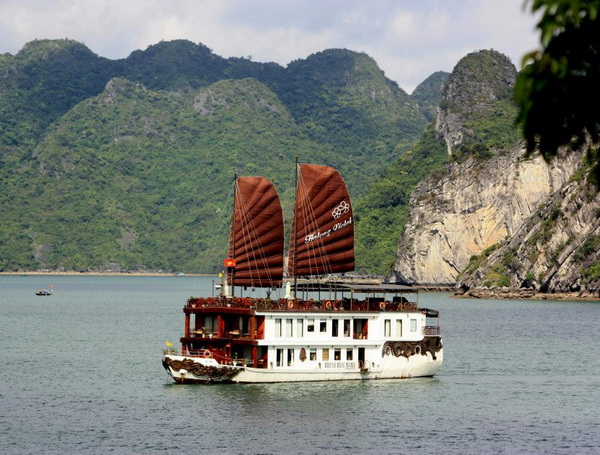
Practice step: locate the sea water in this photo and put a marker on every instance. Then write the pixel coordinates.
(82, 374)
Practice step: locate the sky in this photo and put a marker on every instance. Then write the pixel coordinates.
(409, 39)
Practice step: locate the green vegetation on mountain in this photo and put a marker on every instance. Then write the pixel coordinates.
(476, 118)
(129, 164)
(383, 212)
(181, 65)
(133, 172)
(42, 82)
(345, 102)
(478, 102)
(428, 94)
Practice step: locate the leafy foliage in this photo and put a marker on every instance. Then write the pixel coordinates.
(558, 91)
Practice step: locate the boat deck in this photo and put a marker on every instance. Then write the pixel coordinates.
(262, 304)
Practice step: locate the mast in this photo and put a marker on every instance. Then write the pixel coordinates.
(295, 233)
(228, 262)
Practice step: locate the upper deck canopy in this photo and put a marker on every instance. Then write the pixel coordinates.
(363, 288)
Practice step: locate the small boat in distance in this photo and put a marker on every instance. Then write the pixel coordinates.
(323, 329)
(46, 291)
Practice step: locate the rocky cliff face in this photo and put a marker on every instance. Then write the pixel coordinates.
(474, 206)
(477, 101)
(556, 250)
(493, 219)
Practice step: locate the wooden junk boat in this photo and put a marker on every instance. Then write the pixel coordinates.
(359, 331)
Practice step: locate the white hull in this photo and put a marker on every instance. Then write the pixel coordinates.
(260, 341)
(388, 367)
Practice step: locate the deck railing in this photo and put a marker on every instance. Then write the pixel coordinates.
(298, 305)
(432, 330)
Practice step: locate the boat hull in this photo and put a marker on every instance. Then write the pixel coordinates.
(183, 370)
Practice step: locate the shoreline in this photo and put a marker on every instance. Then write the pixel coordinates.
(495, 294)
(149, 274)
(521, 294)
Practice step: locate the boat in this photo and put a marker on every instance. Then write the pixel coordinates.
(327, 326)
(46, 291)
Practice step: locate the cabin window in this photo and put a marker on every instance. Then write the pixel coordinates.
(323, 326)
(310, 325)
(349, 353)
(210, 324)
(290, 357)
(279, 358)
(431, 321)
(313, 354)
(346, 327)
(325, 354)
(288, 328)
(277, 328)
(387, 328)
(334, 327)
(360, 328)
(337, 354)
(413, 325)
(300, 328)
(399, 328)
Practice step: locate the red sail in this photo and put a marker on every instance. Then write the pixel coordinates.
(256, 238)
(323, 231)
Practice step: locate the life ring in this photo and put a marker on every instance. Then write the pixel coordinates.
(290, 304)
(328, 305)
(382, 306)
(206, 354)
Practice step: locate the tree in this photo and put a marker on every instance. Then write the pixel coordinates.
(558, 90)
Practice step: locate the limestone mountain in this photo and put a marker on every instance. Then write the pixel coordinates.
(470, 207)
(494, 217)
(477, 111)
(345, 102)
(382, 212)
(128, 164)
(555, 250)
(428, 94)
(182, 65)
(42, 82)
(137, 179)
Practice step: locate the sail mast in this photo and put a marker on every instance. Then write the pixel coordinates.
(295, 233)
(231, 265)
